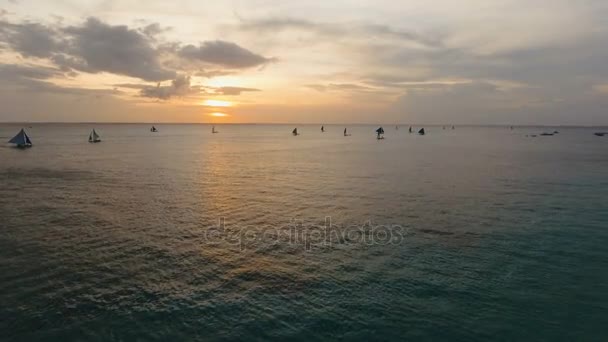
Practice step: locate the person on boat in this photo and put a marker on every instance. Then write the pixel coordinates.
(380, 132)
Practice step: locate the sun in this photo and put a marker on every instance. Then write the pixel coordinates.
(219, 115)
(217, 103)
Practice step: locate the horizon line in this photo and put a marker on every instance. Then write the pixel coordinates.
(293, 123)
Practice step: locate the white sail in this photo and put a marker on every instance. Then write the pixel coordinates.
(94, 137)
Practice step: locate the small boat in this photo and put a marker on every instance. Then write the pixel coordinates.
(380, 132)
(346, 134)
(411, 131)
(421, 131)
(94, 137)
(153, 129)
(396, 127)
(453, 127)
(600, 134)
(555, 132)
(545, 134)
(295, 131)
(443, 127)
(322, 129)
(21, 140)
(213, 130)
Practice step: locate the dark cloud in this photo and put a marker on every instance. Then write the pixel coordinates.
(95, 46)
(30, 39)
(116, 49)
(179, 87)
(226, 54)
(233, 90)
(16, 72)
(346, 29)
(35, 79)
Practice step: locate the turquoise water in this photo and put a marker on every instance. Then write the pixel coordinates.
(472, 234)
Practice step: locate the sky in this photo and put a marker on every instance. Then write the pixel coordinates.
(510, 62)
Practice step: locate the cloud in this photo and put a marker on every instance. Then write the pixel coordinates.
(179, 87)
(339, 87)
(30, 39)
(223, 53)
(344, 30)
(35, 79)
(233, 90)
(116, 49)
(14, 72)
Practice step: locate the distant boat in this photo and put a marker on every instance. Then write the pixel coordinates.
(600, 134)
(213, 130)
(94, 137)
(443, 127)
(545, 134)
(153, 129)
(295, 131)
(346, 134)
(453, 127)
(322, 129)
(21, 140)
(511, 127)
(396, 127)
(380, 132)
(421, 131)
(555, 132)
(411, 129)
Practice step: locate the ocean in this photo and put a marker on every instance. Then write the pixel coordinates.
(471, 234)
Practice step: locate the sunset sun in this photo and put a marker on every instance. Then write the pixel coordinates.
(217, 103)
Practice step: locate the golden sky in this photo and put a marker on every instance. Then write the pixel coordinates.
(460, 61)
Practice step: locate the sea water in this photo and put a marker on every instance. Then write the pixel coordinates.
(471, 234)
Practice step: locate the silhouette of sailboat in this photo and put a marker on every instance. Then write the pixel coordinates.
(380, 132)
(410, 130)
(322, 129)
(213, 130)
(346, 134)
(94, 137)
(295, 131)
(421, 131)
(153, 129)
(21, 140)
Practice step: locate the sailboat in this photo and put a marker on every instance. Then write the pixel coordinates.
(346, 134)
(453, 127)
(21, 140)
(396, 127)
(421, 131)
(295, 131)
(380, 132)
(411, 129)
(94, 137)
(213, 130)
(322, 129)
(153, 129)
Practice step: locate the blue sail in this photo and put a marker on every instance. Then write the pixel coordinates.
(21, 139)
